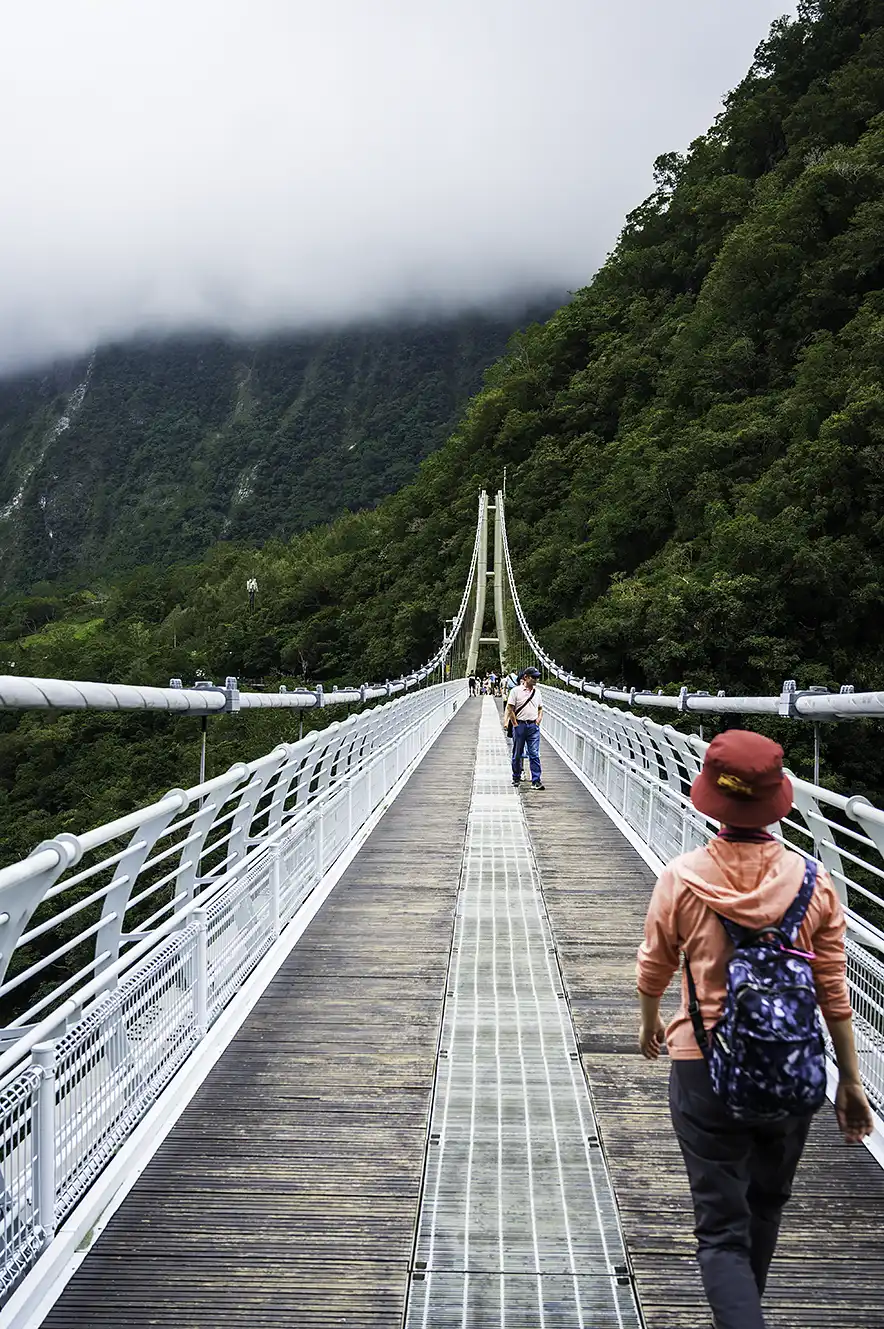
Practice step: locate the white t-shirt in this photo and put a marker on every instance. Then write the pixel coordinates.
(533, 702)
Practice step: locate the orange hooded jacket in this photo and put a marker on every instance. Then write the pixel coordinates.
(752, 884)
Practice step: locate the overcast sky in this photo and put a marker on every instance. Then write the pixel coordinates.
(254, 164)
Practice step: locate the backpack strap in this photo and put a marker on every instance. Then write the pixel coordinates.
(794, 915)
(735, 931)
(694, 1010)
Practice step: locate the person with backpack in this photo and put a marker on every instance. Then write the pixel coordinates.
(524, 711)
(762, 931)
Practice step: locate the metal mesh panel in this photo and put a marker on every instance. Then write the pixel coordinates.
(297, 868)
(548, 1301)
(865, 976)
(518, 1224)
(116, 1062)
(21, 1234)
(335, 825)
(240, 931)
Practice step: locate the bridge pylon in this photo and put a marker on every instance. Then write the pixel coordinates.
(484, 574)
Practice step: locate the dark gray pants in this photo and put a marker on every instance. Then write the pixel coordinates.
(741, 1178)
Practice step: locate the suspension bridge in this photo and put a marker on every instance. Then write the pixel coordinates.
(347, 1035)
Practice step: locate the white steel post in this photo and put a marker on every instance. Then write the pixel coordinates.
(499, 574)
(44, 1187)
(275, 888)
(317, 822)
(201, 992)
(481, 587)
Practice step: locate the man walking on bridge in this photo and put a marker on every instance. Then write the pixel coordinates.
(524, 710)
(762, 932)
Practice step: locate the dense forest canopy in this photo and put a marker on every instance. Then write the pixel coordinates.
(149, 453)
(693, 445)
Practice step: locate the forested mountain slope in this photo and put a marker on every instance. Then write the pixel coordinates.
(146, 453)
(695, 472)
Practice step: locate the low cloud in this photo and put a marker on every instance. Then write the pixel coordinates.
(186, 164)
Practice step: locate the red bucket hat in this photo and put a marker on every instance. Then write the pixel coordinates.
(742, 781)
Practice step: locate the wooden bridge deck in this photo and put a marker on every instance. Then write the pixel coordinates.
(829, 1268)
(289, 1191)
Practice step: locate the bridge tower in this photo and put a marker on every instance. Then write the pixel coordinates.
(484, 574)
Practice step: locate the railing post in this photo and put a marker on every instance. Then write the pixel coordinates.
(275, 888)
(44, 1182)
(201, 994)
(318, 825)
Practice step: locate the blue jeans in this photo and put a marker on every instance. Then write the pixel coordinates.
(526, 735)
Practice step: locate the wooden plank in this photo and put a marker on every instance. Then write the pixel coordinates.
(288, 1192)
(829, 1269)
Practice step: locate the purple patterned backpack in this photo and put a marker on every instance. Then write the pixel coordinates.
(766, 1054)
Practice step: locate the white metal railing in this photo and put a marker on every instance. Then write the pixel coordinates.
(644, 771)
(247, 850)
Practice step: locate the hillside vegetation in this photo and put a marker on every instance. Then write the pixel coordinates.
(149, 453)
(695, 472)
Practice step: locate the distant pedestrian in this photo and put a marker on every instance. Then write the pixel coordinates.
(473, 685)
(762, 932)
(512, 680)
(524, 711)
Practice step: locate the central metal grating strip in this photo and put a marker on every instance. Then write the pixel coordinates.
(518, 1226)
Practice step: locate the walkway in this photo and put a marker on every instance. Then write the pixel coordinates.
(518, 1224)
(343, 1165)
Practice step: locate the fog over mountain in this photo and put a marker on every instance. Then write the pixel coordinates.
(190, 164)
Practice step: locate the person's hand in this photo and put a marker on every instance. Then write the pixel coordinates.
(853, 1111)
(651, 1038)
